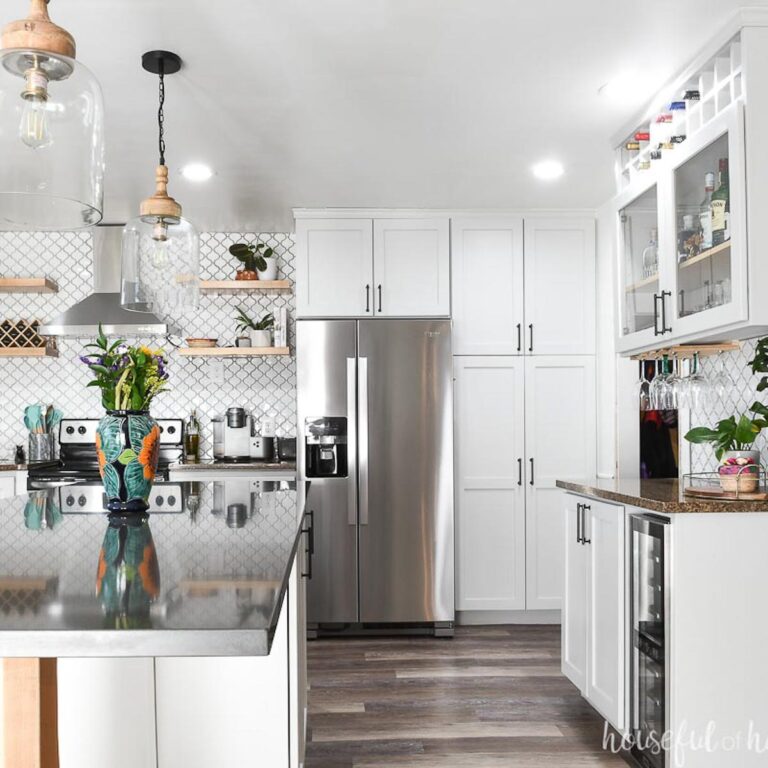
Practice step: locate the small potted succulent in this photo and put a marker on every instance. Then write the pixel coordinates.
(259, 261)
(260, 330)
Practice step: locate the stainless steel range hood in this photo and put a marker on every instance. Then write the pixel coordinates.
(103, 305)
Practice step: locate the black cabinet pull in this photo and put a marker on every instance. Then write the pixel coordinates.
(664, 328)
(578, 523)
(531, 480)
(367, 298)
(519, 471)
(309, 531)
(656, 331)
(379, 297)
(584, 539)
(530, 347)
(519, 337)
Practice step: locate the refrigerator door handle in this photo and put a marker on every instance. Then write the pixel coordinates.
(362, 449)
(352, 440)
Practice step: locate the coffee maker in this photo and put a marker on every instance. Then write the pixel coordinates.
(235, 439)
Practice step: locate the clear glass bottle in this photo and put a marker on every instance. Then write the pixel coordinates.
(651, 255)
(192, 439)
(705, 211)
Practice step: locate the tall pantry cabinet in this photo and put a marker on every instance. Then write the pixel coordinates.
(523, 299)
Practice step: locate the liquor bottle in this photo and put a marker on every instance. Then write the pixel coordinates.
(687, 239)
(650, 256)
(192, 439)
(642, 136)
(720, 206)
(632, 146)
(692, 95)
(705, 211)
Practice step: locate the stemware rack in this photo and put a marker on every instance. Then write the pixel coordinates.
(687, 351)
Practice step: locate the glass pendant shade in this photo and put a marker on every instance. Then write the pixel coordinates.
(161, 264)
(51, 142)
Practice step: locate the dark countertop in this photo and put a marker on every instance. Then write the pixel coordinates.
(656, 495)
(11, 466)
(207, 465)
(207, 581)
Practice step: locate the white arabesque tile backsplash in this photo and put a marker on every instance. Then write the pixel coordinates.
(265, 385)
(742, 395)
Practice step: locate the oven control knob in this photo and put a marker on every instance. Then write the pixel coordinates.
(162, 428)
(70, 500)
(171, 501)
(70, 430)
(171, 430)
(159, 501)
(81, 500)
(81, 430)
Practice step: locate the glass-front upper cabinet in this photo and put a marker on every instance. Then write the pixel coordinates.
(709, 227)
(640, 263)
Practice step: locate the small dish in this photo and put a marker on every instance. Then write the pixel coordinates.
(201, 343)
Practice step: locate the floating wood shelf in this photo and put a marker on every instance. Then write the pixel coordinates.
(245, 286)
(233, 351)
(28, 352)
(684, 351)
(708, 254)
(643, 284)
(27, 285)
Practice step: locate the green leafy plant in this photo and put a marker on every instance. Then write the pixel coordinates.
(759, 364)
(129, 376)
(254, 257)
(244, 322)
(729, 434)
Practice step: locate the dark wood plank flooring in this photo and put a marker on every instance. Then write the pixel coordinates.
(491, 697)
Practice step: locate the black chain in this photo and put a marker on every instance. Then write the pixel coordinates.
(161, 116)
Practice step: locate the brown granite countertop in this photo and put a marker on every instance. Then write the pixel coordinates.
(207, 465)
(664, 496)
(11, 466)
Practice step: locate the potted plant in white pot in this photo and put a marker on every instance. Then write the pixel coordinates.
(260, 330)
(259, 261)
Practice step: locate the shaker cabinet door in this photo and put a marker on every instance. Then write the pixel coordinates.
(574, 618)
(487, 286)
(334, 268)
(411, 268)
(560, 442)
(560, 286)
(490, 500)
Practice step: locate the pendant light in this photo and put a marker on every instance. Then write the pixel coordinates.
(160, 269)
(51, 129)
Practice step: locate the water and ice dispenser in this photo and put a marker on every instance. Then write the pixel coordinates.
(325, 443)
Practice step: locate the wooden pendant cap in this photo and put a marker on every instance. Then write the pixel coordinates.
(160, 204)
(38, 32)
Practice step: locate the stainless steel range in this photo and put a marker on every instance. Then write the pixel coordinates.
(77, 455)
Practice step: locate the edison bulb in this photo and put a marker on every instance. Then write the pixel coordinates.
(34, 130)
(160, 244)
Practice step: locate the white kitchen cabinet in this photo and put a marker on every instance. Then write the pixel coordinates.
(490, 500)
(560, 442)
(594, 619)
(334, 268)
(560, 286)
(487, 285)
(7, 484)
(574, 610)
(411, 267)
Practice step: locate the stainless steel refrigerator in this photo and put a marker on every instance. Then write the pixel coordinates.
(375, 411)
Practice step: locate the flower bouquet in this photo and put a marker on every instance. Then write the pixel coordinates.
(739, 474)
(127, 438)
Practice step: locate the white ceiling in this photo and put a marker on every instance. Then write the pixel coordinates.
(382, 103)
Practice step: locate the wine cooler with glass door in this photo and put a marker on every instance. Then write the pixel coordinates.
(650, 639)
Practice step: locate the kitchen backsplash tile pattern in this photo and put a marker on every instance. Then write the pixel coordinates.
(265, 385)
(742, 395)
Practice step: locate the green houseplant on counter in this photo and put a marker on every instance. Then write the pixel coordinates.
(127, 438)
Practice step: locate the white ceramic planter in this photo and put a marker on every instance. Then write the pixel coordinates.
(261, 338)
(270, 273)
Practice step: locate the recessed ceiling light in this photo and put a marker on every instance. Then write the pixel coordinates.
(196, 172)
(548, 170)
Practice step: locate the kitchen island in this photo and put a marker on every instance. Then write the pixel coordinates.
(179, 634)
(664, 630)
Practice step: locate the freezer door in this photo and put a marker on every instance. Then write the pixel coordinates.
(326, 379)
(405, 401)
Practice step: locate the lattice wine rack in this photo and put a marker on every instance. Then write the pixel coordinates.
(22, 339)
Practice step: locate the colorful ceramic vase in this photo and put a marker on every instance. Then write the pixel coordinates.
(128, 447)
(128, 575)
